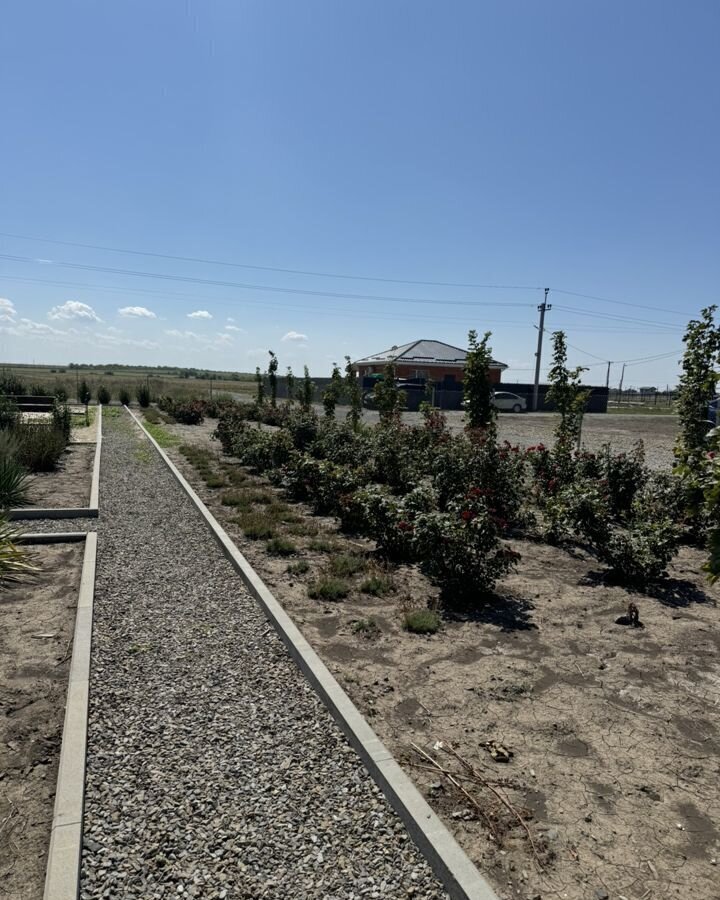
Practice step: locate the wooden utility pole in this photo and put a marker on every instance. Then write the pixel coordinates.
(544, 306)
(607, 377)
(622, 378)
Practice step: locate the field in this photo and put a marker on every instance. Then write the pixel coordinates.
(601, 739)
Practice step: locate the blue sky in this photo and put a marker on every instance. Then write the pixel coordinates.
(560, 144)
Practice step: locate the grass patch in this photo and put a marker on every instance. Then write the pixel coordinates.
(152, 415)
(255, 526)
(232, 498)
(421, 621)
(322, 545)
(280, 546)
(328, 588)
(299, 568)
(304, 529)
(235, 474)
(214, 481)
(378, 585)
(367, 628)
(264, 498)
(345, 565)
(163, 437)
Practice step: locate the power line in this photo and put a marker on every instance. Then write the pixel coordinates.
(236, 265)
(619, 302)
(586, 353)
(619, 318)
(255, 287)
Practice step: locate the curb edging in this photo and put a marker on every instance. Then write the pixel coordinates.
(62, 874)
(448, 860)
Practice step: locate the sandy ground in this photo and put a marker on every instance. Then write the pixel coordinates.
(36, 625)
(69, 485)
(614, 731)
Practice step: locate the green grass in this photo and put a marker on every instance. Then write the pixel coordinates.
(345, 565)
(233, 498)
(421, 621)
(255, 526)
(304, 529)
(280, 546)
(328, 588)
(261, 497)
(299, 568)
(322, 545)
(377, 585)
(163, 437)
(214, 481)
(367, 628)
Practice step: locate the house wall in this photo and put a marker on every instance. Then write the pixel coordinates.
(434, 373)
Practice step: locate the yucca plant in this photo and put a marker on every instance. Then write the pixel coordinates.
(14, 480)
(14, 560)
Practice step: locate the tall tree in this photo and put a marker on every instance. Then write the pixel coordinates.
(568, 396)
(354, 395)
(698, 383)
(272, 378)
(477, 387)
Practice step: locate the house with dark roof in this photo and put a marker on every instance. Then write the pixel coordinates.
(424, 359)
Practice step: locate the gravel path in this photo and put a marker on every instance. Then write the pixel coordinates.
(213, 769)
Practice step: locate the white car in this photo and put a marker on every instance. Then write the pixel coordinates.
(508, 402)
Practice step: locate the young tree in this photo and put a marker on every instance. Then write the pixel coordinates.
(477, 388)
(260, 387)
(354, 395)
(84, 393)
(568, 396)
(307, 391)
(697, 384)
(333, 392)
(290, 381)
(272, 378)
(388, 399)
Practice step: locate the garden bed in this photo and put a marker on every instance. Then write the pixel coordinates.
(69, 485)
(36, 626)
(613, 730)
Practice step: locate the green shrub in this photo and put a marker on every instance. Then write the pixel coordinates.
(322, 545)
(11, 384)
(14, 481)
(368, 628)
(280, 546)
(152, 415)
(345, 565)
(232, 498)
(60, 394)
(640, 553)
(255, 526)
(103, 395)
(62, 418)
(40, 447)
(143, 395)
(14, 560)
(421, 621)
(327, 588)
(84, 393)
(215, 481)
(9, 413)
(298, 568)
(377, 585)
(124, 397)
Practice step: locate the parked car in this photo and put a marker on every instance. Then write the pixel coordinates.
(508, 402)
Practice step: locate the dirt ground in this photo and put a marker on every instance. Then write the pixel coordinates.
(36, 625)
(69, 485)
(614, 731)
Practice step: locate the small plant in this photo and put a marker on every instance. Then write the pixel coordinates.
(62, 418)
(84, 393)
(124, 397)
(477, 389)
(14, 481)
(103, 395)
(322, 545)
(328, 588)
(272, 378)
(345, 565)
(697, 385)
(367, 628)
(40, 447)
(333, 392)
(377, 585)
(256, 526)
(307, 391)
(215, 481)
(143, 395)
(568, 396)
(14, 560)
(298, 568)
(290, 382)
(152, 415)
(9, 413)
(281, 546)
(233, 498)
(421, 621)
(389, 400)
(640, 553)
(259, 387)
(354, 395)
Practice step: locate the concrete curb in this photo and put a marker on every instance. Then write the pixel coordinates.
(62, 878)
(84, 512)
(50, 537)
(448, 860)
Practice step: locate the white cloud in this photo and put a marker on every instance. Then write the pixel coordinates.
(234, 328)
(74, 309)
(224, 338)
(199, 314)
(230, 319)
(110, 339)
(7, 309)
(138, 312)
(294, 336)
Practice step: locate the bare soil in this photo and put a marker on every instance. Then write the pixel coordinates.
(69, 485)
(37, 618)
(614, 731)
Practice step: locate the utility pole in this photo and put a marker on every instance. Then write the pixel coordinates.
(607, 377)
(544, 306)
(622, 377)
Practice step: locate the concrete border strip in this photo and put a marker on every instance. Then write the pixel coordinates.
(51, 537)
(448, 860)
(62, 877)
(81, 512)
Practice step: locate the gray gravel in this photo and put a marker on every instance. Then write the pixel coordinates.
(213, 769)
(55, 526)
